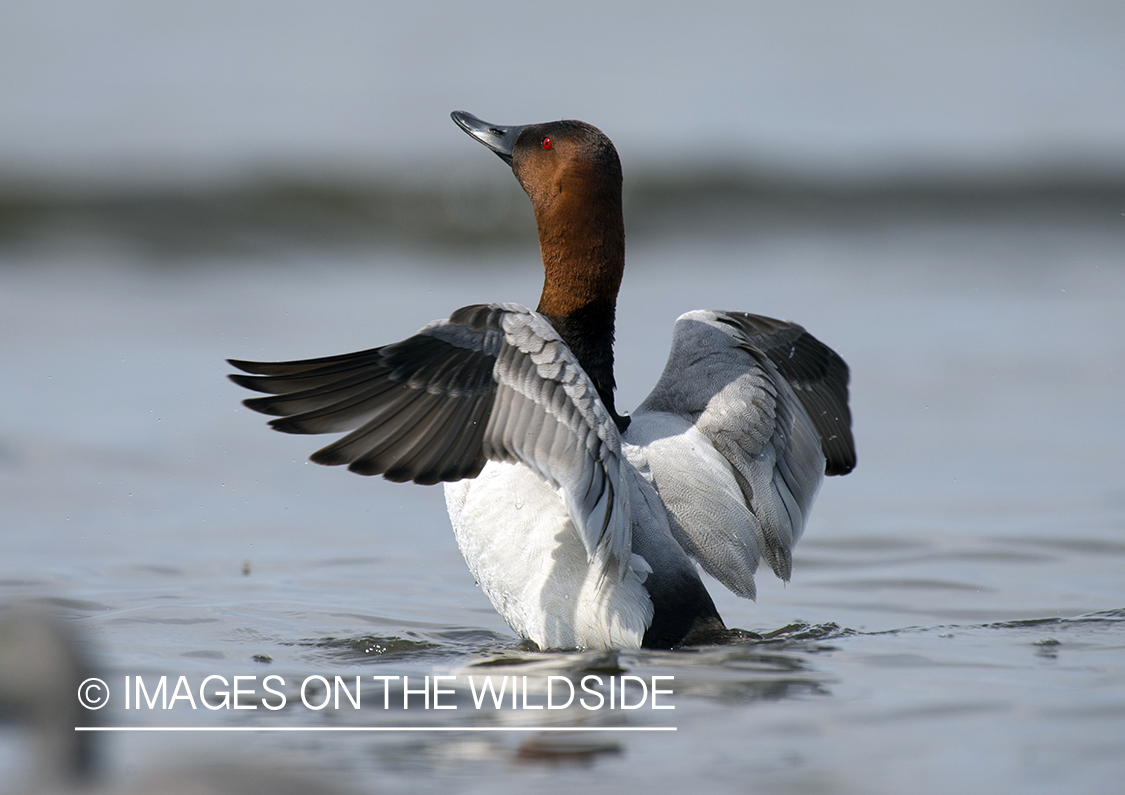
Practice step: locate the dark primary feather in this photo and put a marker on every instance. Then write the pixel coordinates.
(817, 375)
(417, 409)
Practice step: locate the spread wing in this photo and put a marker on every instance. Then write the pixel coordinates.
(764, 413)
(493, 382)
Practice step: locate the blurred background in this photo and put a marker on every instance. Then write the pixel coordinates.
(935, 190)
(205, 123)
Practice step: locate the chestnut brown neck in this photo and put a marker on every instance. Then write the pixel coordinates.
(582, 241)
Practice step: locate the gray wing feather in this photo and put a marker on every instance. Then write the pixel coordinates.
(815, 373)
(772, 401)
(494, 382)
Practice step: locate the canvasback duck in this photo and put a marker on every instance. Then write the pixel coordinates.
(579, 523)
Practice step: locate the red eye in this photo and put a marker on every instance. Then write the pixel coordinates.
(546, 143)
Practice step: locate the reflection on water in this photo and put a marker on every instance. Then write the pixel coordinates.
(438, 645)
(772, 684)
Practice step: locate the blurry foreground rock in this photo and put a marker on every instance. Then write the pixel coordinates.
(41, 667)
(42, 664)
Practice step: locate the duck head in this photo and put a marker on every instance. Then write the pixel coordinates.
(572, 174)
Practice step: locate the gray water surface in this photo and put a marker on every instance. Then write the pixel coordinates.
(956, 617)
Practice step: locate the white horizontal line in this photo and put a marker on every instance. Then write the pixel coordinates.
(375, 728)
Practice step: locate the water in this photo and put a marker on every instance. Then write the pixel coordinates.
(955, 618)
